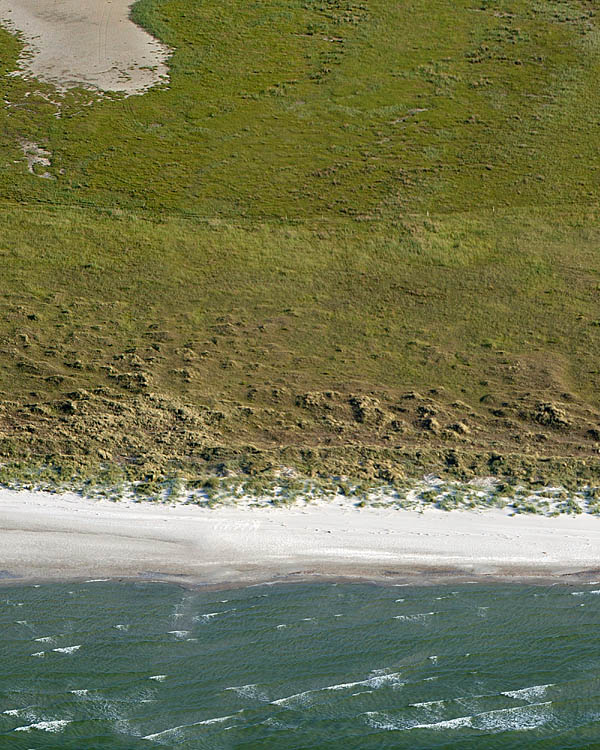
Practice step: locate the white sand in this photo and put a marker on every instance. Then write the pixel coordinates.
(45, 536)
(89, 43)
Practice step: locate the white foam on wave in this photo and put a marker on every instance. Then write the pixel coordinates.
(158, 677)
(175, 730)
(279, 627)
(428, 704)
(520, 718)
(531, 694)
(179, 633)
(45, 726)
(460, 721)
(207, 616)
(249, 691)
(419, 617)
(375, 680)
(39, 654)
(12, 711)
(121, 627)
(80, 693)
(67, 649)
(45, 639)
(97, 580)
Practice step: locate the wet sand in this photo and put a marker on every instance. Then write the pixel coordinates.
(45, 537)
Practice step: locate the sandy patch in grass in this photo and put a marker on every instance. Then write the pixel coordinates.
(89, 43)
(37, 157)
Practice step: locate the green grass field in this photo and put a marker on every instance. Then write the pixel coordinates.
(361, 233)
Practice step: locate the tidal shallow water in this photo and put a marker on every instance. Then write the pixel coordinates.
(111, 665)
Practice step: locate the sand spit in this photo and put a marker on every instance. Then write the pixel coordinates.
(47, 536)
(89, 43)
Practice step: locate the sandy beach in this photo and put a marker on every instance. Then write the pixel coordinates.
(46, 537)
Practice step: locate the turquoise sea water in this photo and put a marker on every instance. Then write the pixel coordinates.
(110, 665)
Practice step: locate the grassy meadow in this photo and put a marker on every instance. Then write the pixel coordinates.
(354, 237)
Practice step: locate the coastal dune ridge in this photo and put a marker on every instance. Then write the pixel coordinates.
(46, 536)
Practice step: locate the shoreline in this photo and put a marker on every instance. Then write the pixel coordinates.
(47, 537)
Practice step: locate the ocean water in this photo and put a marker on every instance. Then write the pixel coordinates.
(111, 665)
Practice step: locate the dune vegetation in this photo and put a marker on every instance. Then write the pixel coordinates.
(355, 238)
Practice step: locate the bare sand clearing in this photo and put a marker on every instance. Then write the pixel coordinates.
(89, 43)
(48, 537)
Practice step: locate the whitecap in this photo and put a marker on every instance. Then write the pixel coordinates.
(39, 653)
(179, 633)
(374, 681)
(520, 718)
(296, 696)
(380, 720)
(12, 712)
(67, 649)
(45, 639)
(419, 617)
(96, 580)
(24, 622)
(279, 627)
(249, 691)
(80, 693)
(158, 677)
(45, 726)
(121, 627)
(427, 704)
(173, 730)
(206, 617)
(460, 721)
(530, 694)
